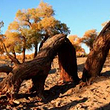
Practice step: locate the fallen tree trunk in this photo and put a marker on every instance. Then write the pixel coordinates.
(36, 69)
(97, 55)
(67, 62)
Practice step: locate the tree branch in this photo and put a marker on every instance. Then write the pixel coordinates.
(10, 56)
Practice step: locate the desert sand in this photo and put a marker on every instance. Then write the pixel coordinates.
(68, 96)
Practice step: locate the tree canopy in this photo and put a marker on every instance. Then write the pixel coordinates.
(1, 36)
(32, 26)
(76, 41)
(89, 37)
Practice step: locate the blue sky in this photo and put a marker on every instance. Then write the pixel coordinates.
(79, 15)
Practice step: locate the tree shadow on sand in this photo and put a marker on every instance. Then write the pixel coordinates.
(105, 107)
(106, 74)
(28, 106)
(51, 94)
(52, 71)
(103, 76)
(56, 90)
(69, 105)
(81, 67)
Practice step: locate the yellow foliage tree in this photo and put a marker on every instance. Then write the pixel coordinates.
(76, 41)
(1, 37)
(89, 37)
(35, 25)
(12, 41)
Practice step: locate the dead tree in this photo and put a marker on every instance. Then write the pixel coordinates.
(67, 62)
(37, 69)
(98, 54)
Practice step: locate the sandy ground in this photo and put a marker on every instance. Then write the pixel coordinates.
(69, 96)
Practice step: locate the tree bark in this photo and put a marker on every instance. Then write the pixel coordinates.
(24, 49)
(23, 53)
(44, 39)
(97, 55)
(37, 69)
(67, 62)
(35, 53)
(13, 59)
(14, 54)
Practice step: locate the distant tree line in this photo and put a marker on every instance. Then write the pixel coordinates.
(34, 26)
(31, 27)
